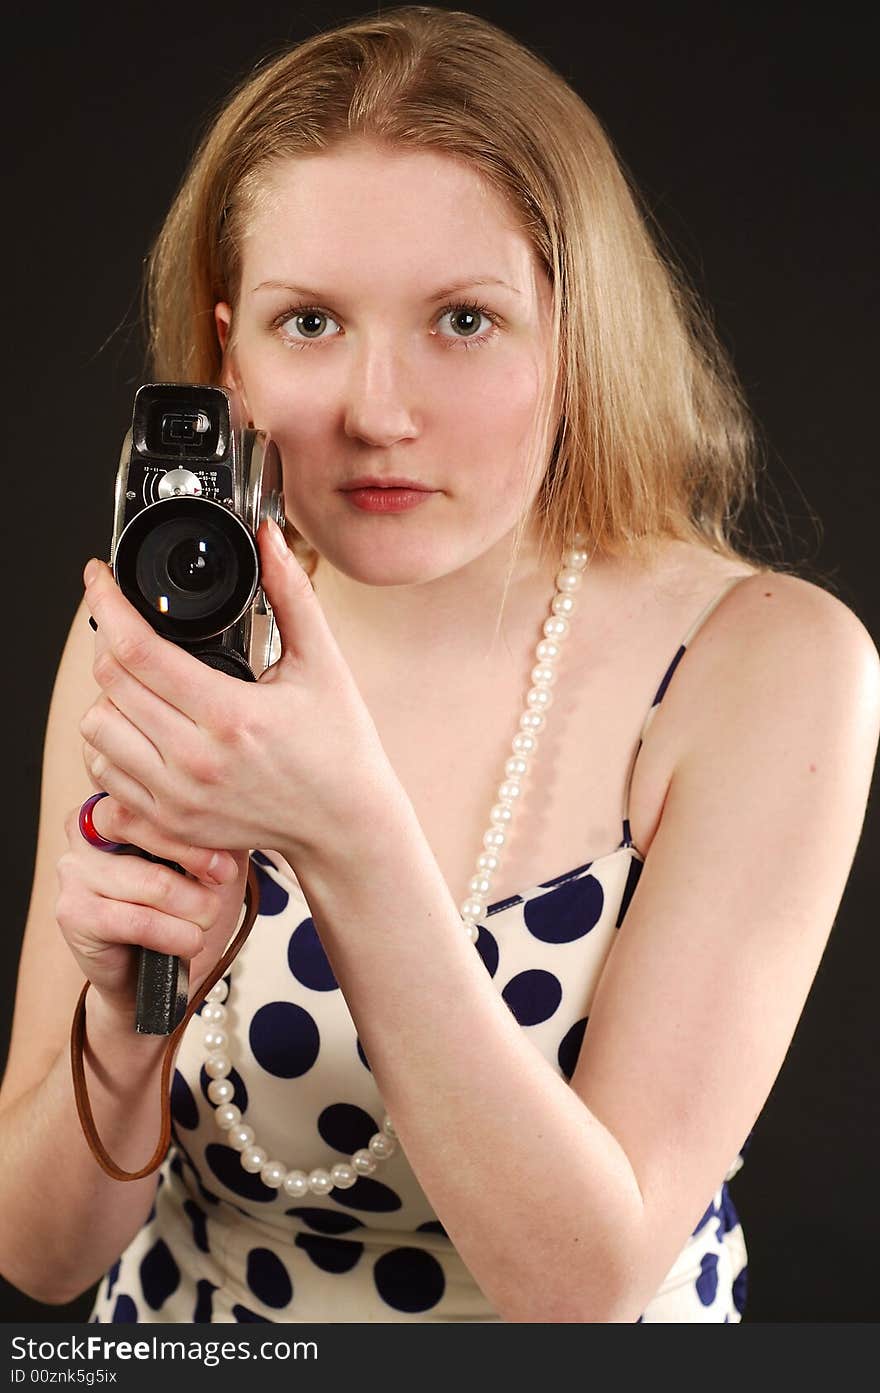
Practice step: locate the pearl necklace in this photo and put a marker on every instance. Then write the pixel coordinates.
(383, 1144)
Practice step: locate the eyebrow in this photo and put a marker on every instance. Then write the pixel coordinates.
(444, 293)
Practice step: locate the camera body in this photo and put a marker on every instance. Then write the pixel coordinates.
(192, 488)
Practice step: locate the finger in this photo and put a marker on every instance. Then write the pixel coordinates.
(173, 674)
(117, 823)
(135, 880)
(157, 719)
(106, 778)
(305, 634)
(112, 734)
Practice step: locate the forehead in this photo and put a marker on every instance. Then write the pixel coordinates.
(383, 212)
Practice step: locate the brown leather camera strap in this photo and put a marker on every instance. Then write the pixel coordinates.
(77, 1041)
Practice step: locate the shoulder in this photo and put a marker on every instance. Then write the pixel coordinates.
(780, 650)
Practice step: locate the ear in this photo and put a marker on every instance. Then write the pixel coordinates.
(230, 376)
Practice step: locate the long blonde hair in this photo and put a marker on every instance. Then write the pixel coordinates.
(652, 438)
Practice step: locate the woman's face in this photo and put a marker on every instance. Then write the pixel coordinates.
(392, 322)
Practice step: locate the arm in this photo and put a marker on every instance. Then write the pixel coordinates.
(740, 888)
(62, 1220)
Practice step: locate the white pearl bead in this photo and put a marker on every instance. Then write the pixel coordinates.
(241, 1136)
(576, 557)
(363, 1161)
(343, 1175)
(493, 838)
(539, 698)
(556, 627)
(382, 1146)
(509, 791)
(569, 578)
(472, 932)
(295, 1184)
(216, 1039)
(547, 651)
(219, 991)
(579, 539)
(221, 1091)
(213, 1013)
(501, 815)
(563, 605)
(320, 1181)
(524, 742)
(532, 720)
(388, 1127)
(488, 861)
(253, 1159)
(226, 1116)
(217, 1066)
(543, 674)
(471, 909)
(516, 767)
(272, 1174)
(481, 885)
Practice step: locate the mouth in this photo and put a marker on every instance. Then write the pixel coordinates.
(371, 482)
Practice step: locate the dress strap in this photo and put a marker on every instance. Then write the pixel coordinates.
(661, 692)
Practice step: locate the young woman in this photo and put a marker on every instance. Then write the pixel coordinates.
(534, 790)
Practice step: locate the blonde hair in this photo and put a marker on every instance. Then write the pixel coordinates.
(652, 438)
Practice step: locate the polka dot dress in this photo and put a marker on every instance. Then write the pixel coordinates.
(221, 1246)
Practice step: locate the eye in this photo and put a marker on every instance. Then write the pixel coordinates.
(304, 324)
(465, 322)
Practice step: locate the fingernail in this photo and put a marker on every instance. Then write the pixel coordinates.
(220, 869)
(277, 538)
(91, 571)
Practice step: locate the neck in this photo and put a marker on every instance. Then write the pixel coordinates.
(452, 616)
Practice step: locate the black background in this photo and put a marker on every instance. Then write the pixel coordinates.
(752, 132)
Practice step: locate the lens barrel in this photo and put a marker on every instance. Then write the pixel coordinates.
(189, 565)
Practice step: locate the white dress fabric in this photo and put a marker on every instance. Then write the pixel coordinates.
(221, 1246)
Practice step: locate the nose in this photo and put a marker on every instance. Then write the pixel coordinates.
(379, 408)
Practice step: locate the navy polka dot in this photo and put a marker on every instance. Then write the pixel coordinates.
(125, 1312)
(705, 1219)
(199, 1221)
(346, 1127)
(268, 1278)
(326, 1220)
(204, 1302)
(242, 1315)
(239, 1097)
(307, 960)
(533, 996)
(112, 1276)
(362, 1056)
(285, 1039)
(330, 1254)
(184, 1108)
(740, 1290)
(707, 1282)
(632, 880)
(566, 913)
(432, 1226)
(367, 1194)
(273, 897)
(262, 859)
(487, 948)
(226, 1165)
(409, 1279)
(160, 1275)
(570, 1047)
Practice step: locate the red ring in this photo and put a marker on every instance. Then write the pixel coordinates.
(89, 830)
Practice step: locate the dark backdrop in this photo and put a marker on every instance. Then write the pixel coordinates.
(752, 133)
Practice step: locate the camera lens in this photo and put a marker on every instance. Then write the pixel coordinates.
(189, 566)
(193, 565)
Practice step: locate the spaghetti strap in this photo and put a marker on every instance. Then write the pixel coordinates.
(661, 692)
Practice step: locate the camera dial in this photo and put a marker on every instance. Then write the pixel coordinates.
(179, 481)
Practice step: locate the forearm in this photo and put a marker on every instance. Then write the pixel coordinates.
(490, 1129)
(63, 1221)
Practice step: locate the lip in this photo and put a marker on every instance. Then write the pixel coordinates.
(387, 500)
(394, 481)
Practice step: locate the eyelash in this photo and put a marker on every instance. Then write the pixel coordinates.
(471, 306)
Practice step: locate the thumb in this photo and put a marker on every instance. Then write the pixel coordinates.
(298, 614)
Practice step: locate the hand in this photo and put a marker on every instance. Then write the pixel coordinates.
(286, 763)
(109, 904)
